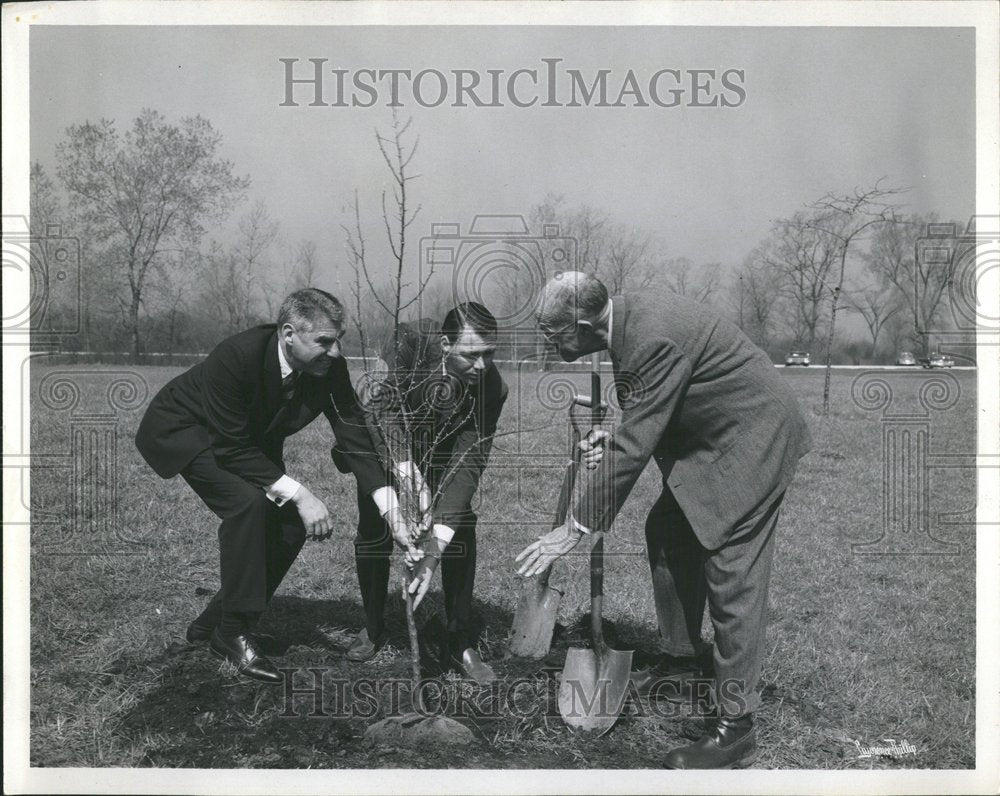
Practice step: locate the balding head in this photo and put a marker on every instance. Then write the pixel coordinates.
(569, 297)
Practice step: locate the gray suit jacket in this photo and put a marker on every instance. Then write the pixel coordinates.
(704, 402)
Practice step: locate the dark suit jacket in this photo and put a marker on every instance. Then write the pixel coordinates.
(232, 404)
(707, 405)
(448, 426)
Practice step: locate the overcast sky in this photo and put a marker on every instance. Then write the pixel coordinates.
(825, 109)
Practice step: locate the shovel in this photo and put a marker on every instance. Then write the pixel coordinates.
(594, 681)
(535, 617)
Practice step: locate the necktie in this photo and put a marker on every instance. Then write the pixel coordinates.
(288, 384)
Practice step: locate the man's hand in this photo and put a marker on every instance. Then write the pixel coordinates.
(405, 533)
(538, 556)
(424, 570)
(314, 513)
(414, 490)
(593, 447)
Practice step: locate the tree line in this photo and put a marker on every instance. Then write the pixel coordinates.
(149, 206)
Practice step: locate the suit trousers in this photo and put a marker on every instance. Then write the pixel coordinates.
(258, 540)
(733, 579)
(373, 548)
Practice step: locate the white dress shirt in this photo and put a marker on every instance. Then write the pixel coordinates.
(286, 487)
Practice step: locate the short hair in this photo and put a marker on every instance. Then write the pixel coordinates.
(571, 296)
(309, 305)
(469, 314)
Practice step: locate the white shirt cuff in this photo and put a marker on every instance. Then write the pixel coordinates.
(283, 490)
(444, 533)
(386, 500)
(405, 469)
(579, 527)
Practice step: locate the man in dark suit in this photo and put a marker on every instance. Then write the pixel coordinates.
(434, 413)
(222, 424)
(726, 433)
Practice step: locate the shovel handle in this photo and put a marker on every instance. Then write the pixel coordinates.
(596, 406)
(597, 592)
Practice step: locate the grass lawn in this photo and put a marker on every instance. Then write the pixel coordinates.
(861, 647)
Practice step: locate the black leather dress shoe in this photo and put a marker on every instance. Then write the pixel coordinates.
(363, 648)
(242, 651)
(196, 634)
(268, 644)
(727, 743)
(473, 667)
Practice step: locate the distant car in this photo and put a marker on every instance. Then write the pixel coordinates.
(906, 358)
(797, 358)
(937, 360)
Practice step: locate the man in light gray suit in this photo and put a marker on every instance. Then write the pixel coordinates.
(726, 433)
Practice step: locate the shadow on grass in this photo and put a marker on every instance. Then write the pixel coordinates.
(199, 713)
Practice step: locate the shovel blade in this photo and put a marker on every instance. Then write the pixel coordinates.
(592, 690)
(534, 619)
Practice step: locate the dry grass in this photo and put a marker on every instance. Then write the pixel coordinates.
(861, 647)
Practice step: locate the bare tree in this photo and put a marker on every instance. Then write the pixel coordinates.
(44, 209)
(145, 193)
(397, 153)
(683, 277)
(251, 257)
(356, 248)
(172, 291)
(843, 218)
(589, 228)
(755, 297)
(801, 259)
(235, 276)
(627, 265)
(876, 305)
(920, 282)
(306, 265)
(220, 273)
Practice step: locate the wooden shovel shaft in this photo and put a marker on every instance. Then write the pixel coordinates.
(569, 480)
(597, 551)
(597, 593)
(596, 405)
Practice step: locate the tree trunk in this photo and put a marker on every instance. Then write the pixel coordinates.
(170, 342)
(134, 321)
(829, 353)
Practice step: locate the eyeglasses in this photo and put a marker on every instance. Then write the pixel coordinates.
(551, 335)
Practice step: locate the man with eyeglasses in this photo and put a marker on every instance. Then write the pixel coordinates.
(433, 409)
(222, 425)
(703, 402)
